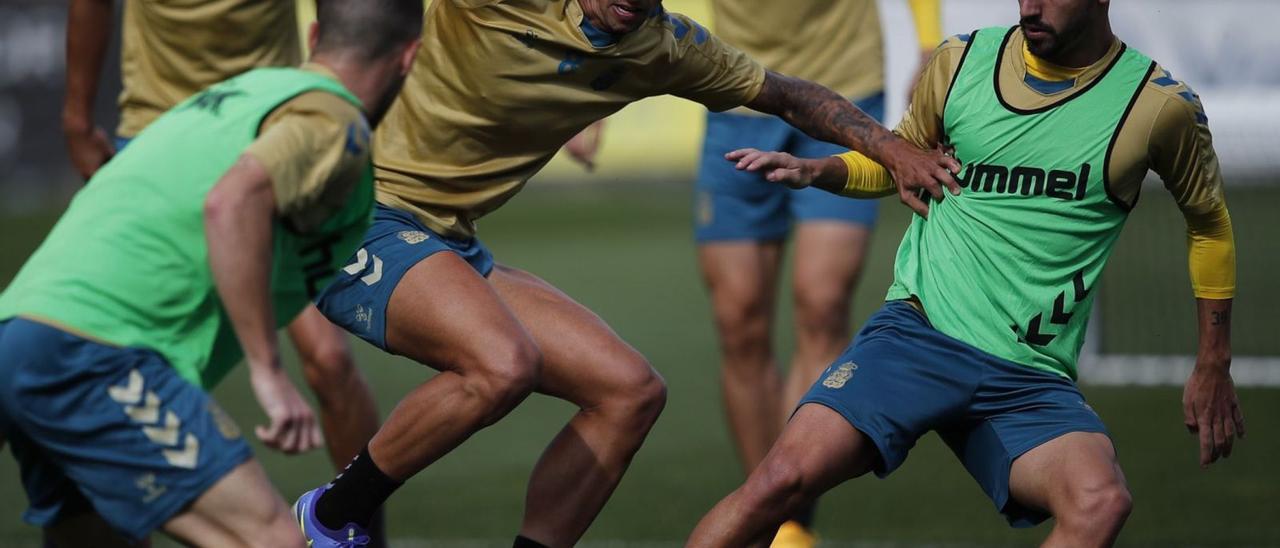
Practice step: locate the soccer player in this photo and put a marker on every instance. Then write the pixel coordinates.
(473, 125)
(1057, 123)
(742, 220)
(185, 252)
(169, 53)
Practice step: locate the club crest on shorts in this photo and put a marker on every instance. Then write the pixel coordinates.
(841, 375)
(413, 236)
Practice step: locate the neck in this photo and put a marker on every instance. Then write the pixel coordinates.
(363, 79)
(1087, 48)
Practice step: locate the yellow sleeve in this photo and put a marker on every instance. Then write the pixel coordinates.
(928, 18)
(921, 124)
(867, 179)
(708, 71)
(316, 149)
(1181, 150)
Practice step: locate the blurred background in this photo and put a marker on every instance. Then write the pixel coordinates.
(619, 240)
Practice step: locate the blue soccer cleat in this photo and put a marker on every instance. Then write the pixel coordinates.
(319, 536)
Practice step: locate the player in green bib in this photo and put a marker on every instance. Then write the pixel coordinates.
(182, 256)
(1056, 123)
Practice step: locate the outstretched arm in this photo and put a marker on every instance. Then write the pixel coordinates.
(825, 115)
(239, 216)
(88, 33)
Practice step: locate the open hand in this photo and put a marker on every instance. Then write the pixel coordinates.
(292, 426)
(1211, 410)
(775, 167)
(918, 171)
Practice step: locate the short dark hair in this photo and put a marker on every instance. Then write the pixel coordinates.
(368, 28)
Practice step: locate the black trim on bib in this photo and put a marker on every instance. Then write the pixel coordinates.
(995, 78)
(1115, 136)
(956, 75)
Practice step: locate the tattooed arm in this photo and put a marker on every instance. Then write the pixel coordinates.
(823, 114)
(1209, 403)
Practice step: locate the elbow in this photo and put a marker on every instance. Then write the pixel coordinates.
(217, 205)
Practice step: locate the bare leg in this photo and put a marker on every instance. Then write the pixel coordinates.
(818, 450)
(241, 509)
(348, 412)
(828, 263)
(1076, 478)
(445, 315)
(618, 394)
(742, 278)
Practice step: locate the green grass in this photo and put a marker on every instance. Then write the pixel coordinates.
(626, 252)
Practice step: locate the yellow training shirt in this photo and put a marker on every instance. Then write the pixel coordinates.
(303, 144)
(499, 85)
(173, 49)
(836, 43)
(1166, 132)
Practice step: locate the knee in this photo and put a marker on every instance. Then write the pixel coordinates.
(743, 321)
(280, 531)
(504, 375)
(822, 308)
(1109, 503)
(327, 362)
(638, 396)
(776, 483)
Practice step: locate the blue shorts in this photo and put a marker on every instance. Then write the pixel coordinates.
(357, 297)
(112, 429)
(734, 205)
(902, 378)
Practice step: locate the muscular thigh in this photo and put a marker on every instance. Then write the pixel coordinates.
(1042, 477)
(582, 357)
(443, 313)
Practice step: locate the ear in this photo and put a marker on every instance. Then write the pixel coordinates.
(407, 56)
(313, 36)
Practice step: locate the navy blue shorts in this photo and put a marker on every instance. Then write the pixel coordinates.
(112, 429)
(357, 297)
(734, 205)
(902, 378)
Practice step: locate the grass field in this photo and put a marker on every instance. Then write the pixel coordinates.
(625, 251)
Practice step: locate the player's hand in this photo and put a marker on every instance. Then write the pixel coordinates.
(292, 427)
(584, 146)
(89, 149)
(775, 167)
(1211, 410)
(920, 171)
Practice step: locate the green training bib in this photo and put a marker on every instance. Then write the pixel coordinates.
(128, 264)
(1009, 265)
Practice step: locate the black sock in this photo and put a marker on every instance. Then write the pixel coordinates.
(356, 494)
(526, 542)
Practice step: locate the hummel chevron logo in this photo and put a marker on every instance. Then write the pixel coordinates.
(186, 456)
(362, 260)
(1059, 316)
(166, 435)
(129, 393)
(148, 412)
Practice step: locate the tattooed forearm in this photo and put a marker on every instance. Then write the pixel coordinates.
(821, 113)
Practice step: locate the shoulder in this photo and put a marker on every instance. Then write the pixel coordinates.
(950, 52)
(320, 106)
(1177, 101)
